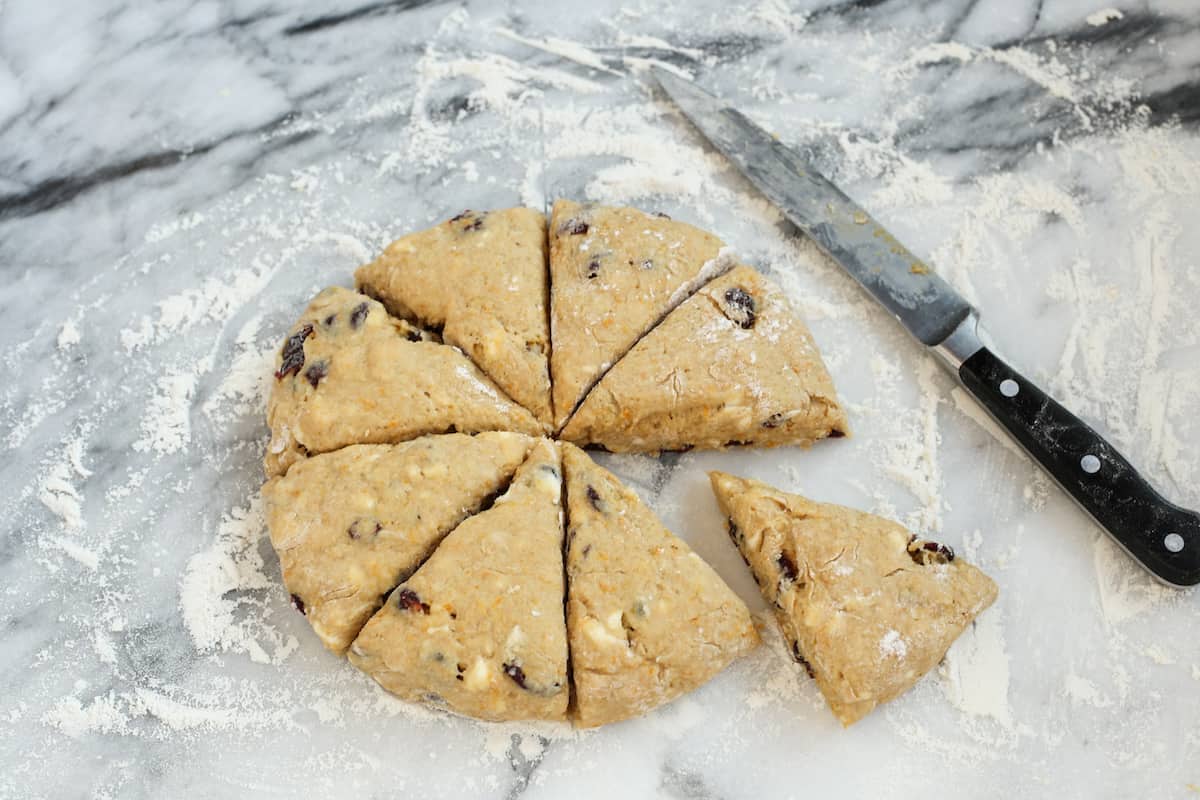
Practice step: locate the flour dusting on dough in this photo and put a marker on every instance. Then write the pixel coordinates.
(892, 644)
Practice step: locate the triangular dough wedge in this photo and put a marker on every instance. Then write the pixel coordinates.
(350, 374)
(648, 620)
(479, 628)
(614, 273)
(481, 279)
(866, 606)
(732, 365)
(350, 525)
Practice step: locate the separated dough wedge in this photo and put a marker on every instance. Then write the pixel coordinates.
(866, 606)
(647, 618)
(479, 628)
(481, 279)
(350, 525)
(350, 374)
(614, 273)
(732, 365)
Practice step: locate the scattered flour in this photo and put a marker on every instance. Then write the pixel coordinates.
(218, 587)
(170, 710)
(975, 671)
(243, 390)
(165, 230)
(84, 556)
(106, 650)
(910, 458)
(941, 51)
(1126, 590)
(776, 678)
(1051, 74)
(1158, 654)
(74, 450)
(1081, 690)
(1104, 16)
(572, 51)
(643, 471)
(59, 494)
(637, 150)
(778, 17)
(215, 299)
(68, 335)
(971, 408)
(102, 715)
(166, 427)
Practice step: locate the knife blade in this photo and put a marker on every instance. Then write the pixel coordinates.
(1161, 536)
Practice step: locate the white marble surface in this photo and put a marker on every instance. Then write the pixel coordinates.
(176, 179)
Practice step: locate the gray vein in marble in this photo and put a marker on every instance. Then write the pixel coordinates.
(685, 785)
(522, 766)
(54, 192)
(355, 14)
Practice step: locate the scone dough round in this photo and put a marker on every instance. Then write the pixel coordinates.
(419, 519)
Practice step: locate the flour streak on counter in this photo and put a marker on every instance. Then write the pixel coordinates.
(1064, 215)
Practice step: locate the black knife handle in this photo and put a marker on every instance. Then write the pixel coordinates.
(1162, 536)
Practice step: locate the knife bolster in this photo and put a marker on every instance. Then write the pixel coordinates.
(963, 342)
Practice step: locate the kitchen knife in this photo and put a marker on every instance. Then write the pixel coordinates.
(1161, 536)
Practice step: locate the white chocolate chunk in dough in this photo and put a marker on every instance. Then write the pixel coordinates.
(732, 365)
(481, 279)
(614, 272)
(865, 605)
(648, 619)
(350, 525)
(479, 628)
(364, 377)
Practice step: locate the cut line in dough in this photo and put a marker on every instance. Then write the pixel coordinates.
(350, 525)
(480, 279)
(348, 373)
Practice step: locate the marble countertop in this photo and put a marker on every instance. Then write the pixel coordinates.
(177, 178)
